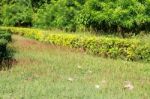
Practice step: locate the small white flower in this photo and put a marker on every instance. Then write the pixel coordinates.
(97, 86)
(70, 79)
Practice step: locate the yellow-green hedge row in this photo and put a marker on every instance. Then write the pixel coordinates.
(127, 49)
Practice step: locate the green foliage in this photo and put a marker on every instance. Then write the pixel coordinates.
(5, 37)
(16, 13)
(127, 49)
(3, 44)
(59, 14)
(121, 16)
(117, 16)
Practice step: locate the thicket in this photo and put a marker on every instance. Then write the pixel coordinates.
(5, 51)
(126, 49)
(107, 16)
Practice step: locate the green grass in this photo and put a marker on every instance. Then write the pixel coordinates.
(48, 72)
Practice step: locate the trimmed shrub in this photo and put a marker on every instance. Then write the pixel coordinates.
(127, 49)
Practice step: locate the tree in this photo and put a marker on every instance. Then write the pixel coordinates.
(16, 13)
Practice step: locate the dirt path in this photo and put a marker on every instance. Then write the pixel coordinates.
(26, 43)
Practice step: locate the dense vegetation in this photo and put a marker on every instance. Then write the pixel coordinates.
(121, 16)
(5, 38)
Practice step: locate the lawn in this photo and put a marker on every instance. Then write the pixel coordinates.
(44, 71)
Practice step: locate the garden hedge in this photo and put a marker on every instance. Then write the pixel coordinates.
(127, 49)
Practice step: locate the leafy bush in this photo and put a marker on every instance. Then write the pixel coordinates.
(5, 35)
(127, 49)
(108, 16)
(3, 44)
(16, 13)
(58, 14)
(5, 53)
(115, 16)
